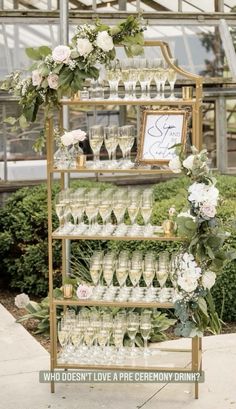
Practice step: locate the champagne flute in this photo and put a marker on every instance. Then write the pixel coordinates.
(133, 321)
(102, 338)
(171, 77)
(118, 336)
(113, 77)
(111, 142)
(162, 268)
(60, 212)
(163, 78)
(63, 336)
(145, 329)
(96, 135)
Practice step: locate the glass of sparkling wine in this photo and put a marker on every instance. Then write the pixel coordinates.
(96, 135)
(111, 142)
(145, 329)
(63, 337)
(171, 77)
(132, 329)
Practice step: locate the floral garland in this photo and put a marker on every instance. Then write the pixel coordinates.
(205, 252)
(63, 70)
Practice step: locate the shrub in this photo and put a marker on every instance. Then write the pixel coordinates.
(23, 241)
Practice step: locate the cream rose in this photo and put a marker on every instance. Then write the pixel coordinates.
(207, 210)
(84, 47)
(84, 292)
(188, 162)
(208, 279)
(67, 139)
(104, 41)
(36, 78)
(78, 135)
(21, 300)
(61, 53)
(175, 165)
(53, 81)
(73, 137)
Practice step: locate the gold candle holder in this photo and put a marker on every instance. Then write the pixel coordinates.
(80, 161)
(187, 93)
(67, 290)
(168, 227)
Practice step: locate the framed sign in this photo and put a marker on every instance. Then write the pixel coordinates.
(159, 132)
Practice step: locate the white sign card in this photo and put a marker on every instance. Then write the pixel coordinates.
(161, 130)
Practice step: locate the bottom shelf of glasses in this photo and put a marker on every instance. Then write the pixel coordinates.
(109, 358)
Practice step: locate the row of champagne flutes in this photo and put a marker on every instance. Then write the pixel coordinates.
(145, 72)
(136, 267)
(94, 337)
(112, 137)
(94, 211)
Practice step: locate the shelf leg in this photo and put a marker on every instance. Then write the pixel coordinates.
(52, 387)
(196, 346)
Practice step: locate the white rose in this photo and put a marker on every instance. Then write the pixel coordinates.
(175, 165)
(53, 81)
(21, 300)
(61, 53)
(78, 135)
(208, 279)
(207, 210)
(200, 192)
(84, 47)
(187, 282)
(36, 78)
(67, 139)
(188, 162)
(104, 41)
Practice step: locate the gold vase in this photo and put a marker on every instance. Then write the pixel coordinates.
(80, 161)
(168, 227)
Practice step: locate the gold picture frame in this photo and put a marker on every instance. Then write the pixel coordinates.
(161, 129)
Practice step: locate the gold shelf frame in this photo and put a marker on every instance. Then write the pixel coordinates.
(195, 105)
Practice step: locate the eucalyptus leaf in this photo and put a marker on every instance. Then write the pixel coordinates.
(33, 53)
(203, 306)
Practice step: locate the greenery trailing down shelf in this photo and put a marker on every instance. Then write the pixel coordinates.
(205, 253)
(64, 70)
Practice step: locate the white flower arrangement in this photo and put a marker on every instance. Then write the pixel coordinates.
(188, 274)
(73, 137)
(22, 300)
(204, 199)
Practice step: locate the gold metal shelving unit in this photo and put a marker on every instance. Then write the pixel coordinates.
(195, 106)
